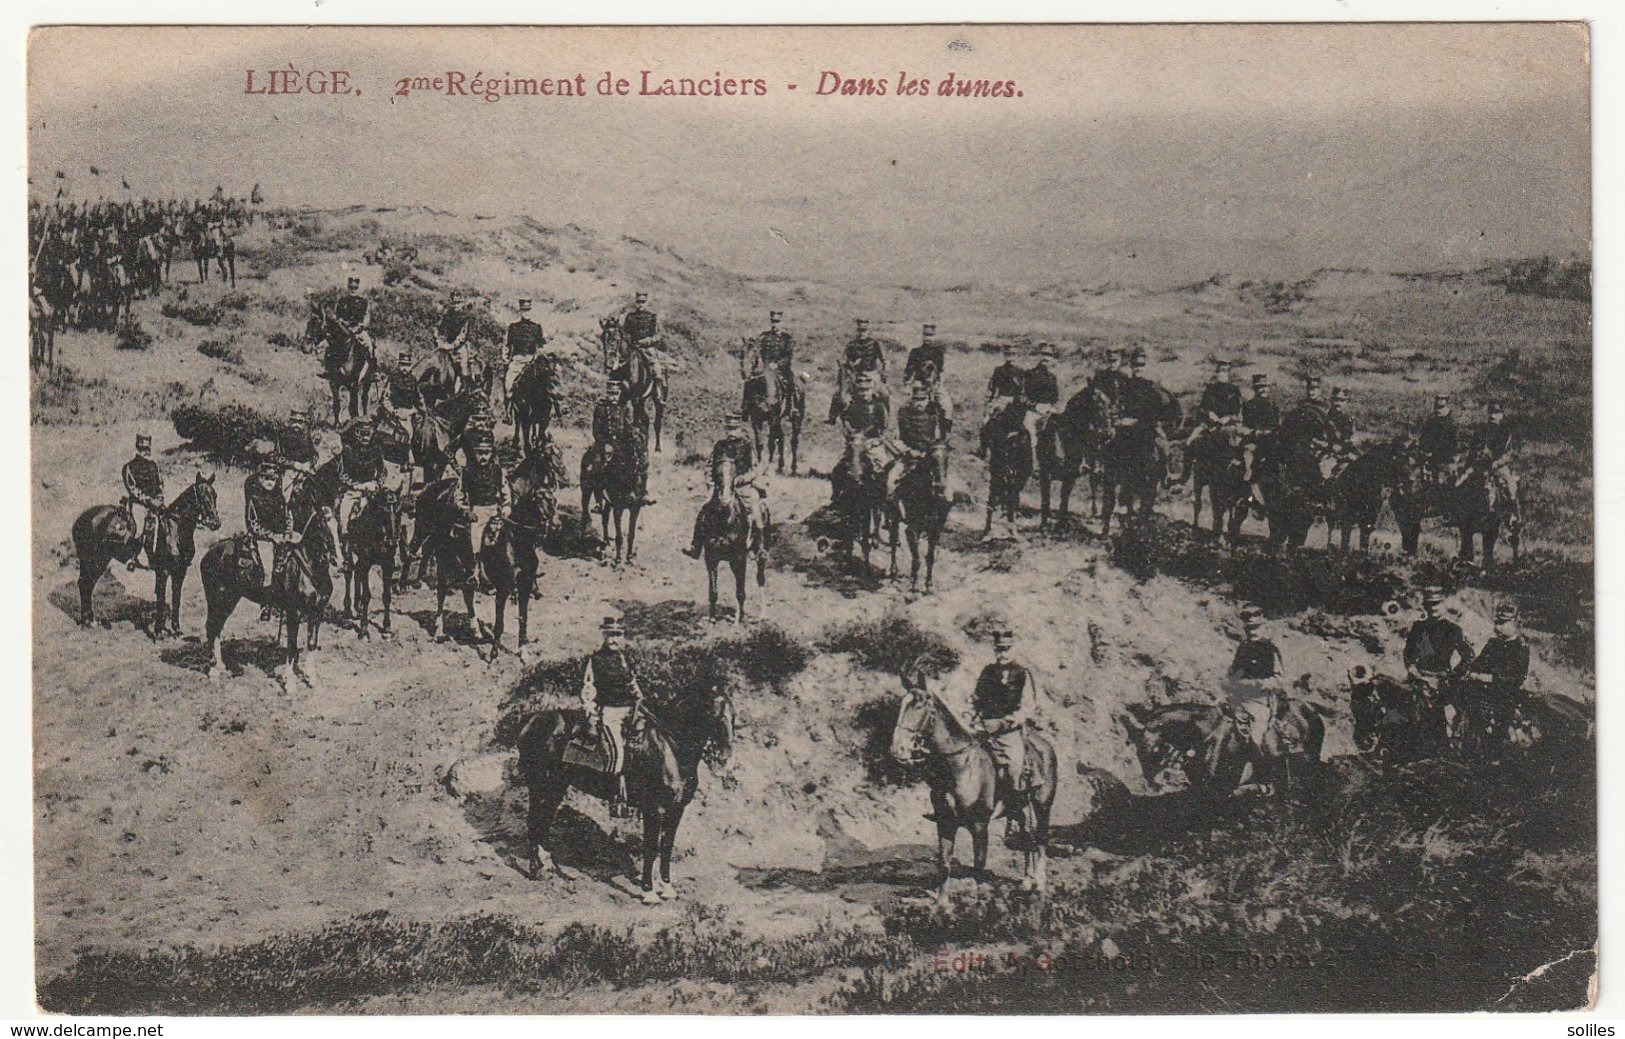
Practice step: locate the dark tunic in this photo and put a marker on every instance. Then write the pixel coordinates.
(1507, 661)
(1341, 426)
(1305, 424)
(142, 474)
(609, 421)
(1261, 414)
(1221, 399)
(930, 356)
(1039, 386)
(1109, 381)
(1437, 439)
(1493, 441)
(1256, 659)
(1008, 381)
(612, 678)
(403, 389)
(740, 449)
(352, 310)
(867, 418)
(864, 354)
(525, 338)
(920, 425)
(639, 324)
(482, 482)
(777, 349)
(1141, 400)
(1432, 643)
(265, 512)
(999, 690)
(453, 323)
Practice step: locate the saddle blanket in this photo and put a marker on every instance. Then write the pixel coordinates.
(587, 752)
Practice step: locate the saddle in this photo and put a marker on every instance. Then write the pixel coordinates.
(588, 745)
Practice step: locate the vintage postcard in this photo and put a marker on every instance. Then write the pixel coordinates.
(914, 519)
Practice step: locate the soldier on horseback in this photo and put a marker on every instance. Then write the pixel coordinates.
(360, 472)
(865, 418)
(1436, 651)
(520, 348)
(738, 446)
(610, 695)
(1107, 379)
(863, 354)
(451, 340)
(266, 515)
(483, 493)
(1141, 411)
(1007, 384)
(353, 312)
(402, 395)
(640, 328)
(1491, 449)
(1003, 698)
(1340, 426)
(1437, 442)
(1253, 682)
(1260, 419)
(613, 424)
(1500, 670)
(926, 364)
(923, 430)
(1221, 403)
(776, 351)
(1042, 394)
(298, 446)
(143, 497)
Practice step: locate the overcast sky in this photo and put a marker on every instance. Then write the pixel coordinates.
(1138, 154)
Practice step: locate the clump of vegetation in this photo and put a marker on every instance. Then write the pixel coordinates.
(227, 434)
(888, 644)
(221, 350)
(282, 340)
(58, 394)
(1555, 279)
(204, 315)
(131, 336)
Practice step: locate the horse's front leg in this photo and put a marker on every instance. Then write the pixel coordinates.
(632, 534)
(947, 830)
(651, 850)
(527, 589)
(475, 627)
(499, 620)
(711, 582)
(160, 609)
(978, 836)
(931, 558)
(387, 571)
(671, 819)
(738, 566)
(175, 581)
(440, 607)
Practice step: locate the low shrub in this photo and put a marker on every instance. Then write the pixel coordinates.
(220, 350)
(888, 644)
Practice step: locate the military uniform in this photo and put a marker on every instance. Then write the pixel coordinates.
(609, 694)
(1340, 427)
(360, 470)
(1435, 647)
(861, 354)
(1254, 685)
(612, 424)
(739, 448)
(520, 349)
(451, 340)
(1502, 665)
(268, 522)
(1007, 384)
(776, 353)
(1260, 415)
(1437, 443)
(1000, 702)
(354, 312)
(1491, 451)
(862, 420)
(484, 490)
(143, 499)
(639, 327)
(402, 394)
(923, 429)
(1141, 401)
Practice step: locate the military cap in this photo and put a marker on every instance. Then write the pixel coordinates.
(1007, 348)
(1251, 615)
(919, 389)
(264, 452)
(524, 305)
(732, 418)
(1340, 393)
(613, 381)
(405, 358)
(1312, 382)
(928, 331)
(1138, 356)
(1506, 611)
(612, 625)
(775, 316)
(297, 414)
(1441, 400)
(143, 440)
(1433, 594)
(863, 323)
(1003, 635)
(353, 282)
(1110, 353)
(1496, 407)
(1260, 380)
(640, 297)
(1221, 362)
(1048, 350)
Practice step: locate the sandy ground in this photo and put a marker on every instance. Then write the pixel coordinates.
(174, 810)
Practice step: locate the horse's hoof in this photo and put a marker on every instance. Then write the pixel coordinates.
(666, 890)
(1028, 884)
(650, 898)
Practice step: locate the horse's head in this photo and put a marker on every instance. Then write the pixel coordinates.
(1162, 741)
(720, 726)
(208, 505)
(910, 737)
(723, 470)
(387, 502)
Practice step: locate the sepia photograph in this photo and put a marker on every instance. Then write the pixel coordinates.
(811, 520)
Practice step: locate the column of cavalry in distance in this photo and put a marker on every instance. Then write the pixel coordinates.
(419, 480)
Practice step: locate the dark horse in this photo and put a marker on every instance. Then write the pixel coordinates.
(1206, 745)
(769, 405)
(1070, 445)
(727, 535)
(107, 532)
(374, 541)
(437, 430)
(1009, 465)
(1133, 465)
(443, 533)
(231, 572)
(610, 485)
(1396, 720)
(1474, 504)
(1359, 490)
(347, 364)
(662, 772)
(531, 404)
(643, 383)
(961, 776)
(1217, 464)
(1290, 479)
(512, 559)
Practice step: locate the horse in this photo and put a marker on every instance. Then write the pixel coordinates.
(224, 248)
(769, 405)
(436, 432)
(1205, 744)
(1070, 445)
(1396, 720)
(231, 572)
(610, 485)
(643, 384)
(347, 364)
(1292, 484)
(1009, 465)
(1357, 493)
(914, 504)
(442, 533)
(1474, 504)
(107, 532)
(512, 559)
(531, 404)
(662, 772)
(374, 540)
(961, 776)
(727, 535)
(1217, 462)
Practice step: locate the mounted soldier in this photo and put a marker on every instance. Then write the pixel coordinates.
(143, 498)
(865, 418)
(738, 446)
(483, 492)
(451, 340)
(1490, 451)
(1260, 420)
(402, 395)
(1437, 441)
(927, 363)
(640, 328)
(298, 444)
(862, 355)
(610, 695)
(1042, 394)
(1500, 669)
(1108, 378)
(776, 352)
(613, 424)
(521, 347)
(1254, 682)
(1220, 404)
(353, 312)
(1004, 697)
(1141, 407)
(266, 515)
(1436, 651)
(1340, 425)
(1007, 384)
(360, 472)
(1305, 426)
(923, 430)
